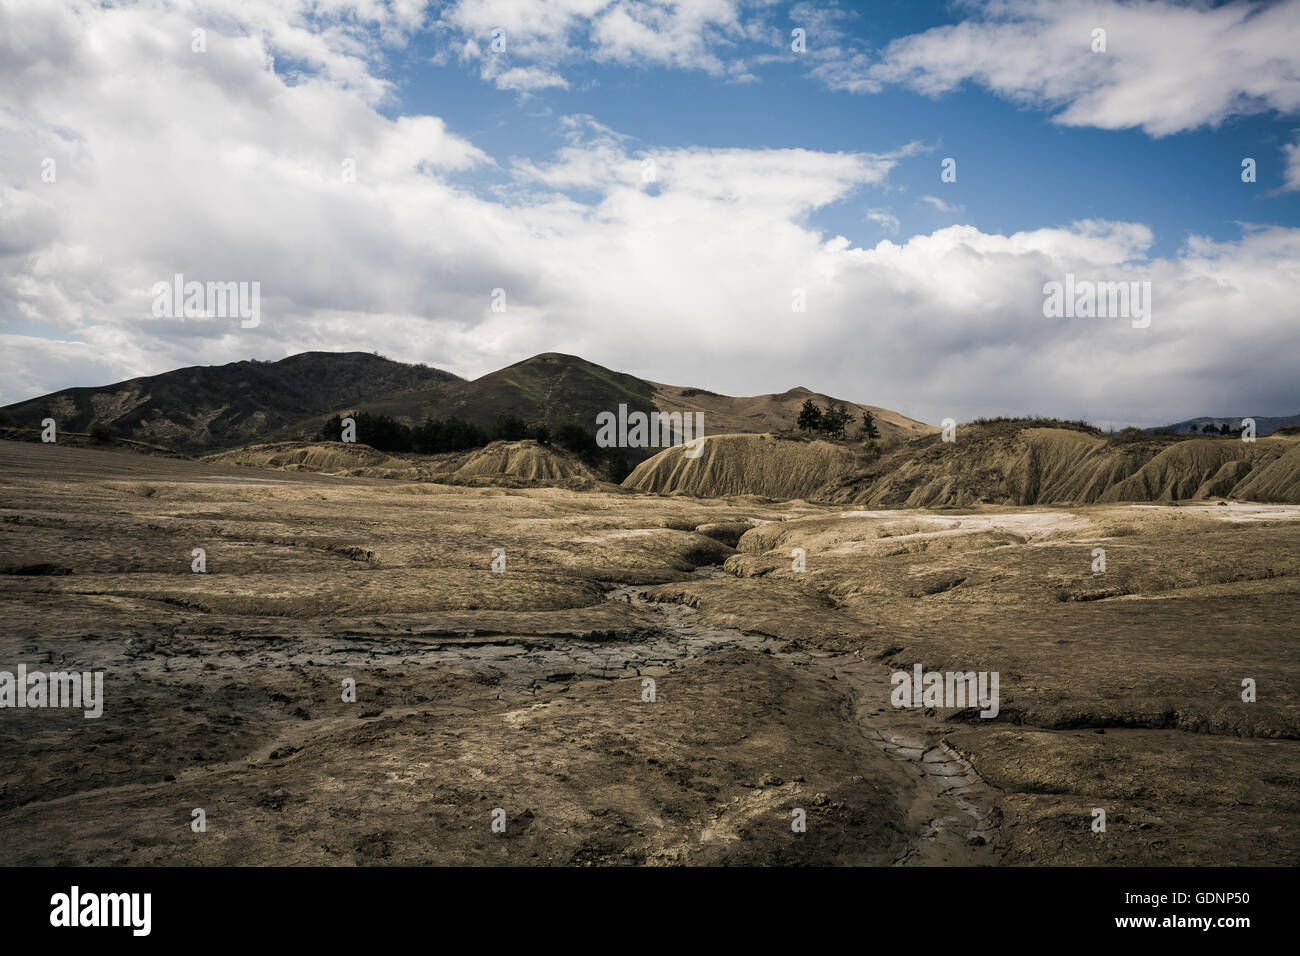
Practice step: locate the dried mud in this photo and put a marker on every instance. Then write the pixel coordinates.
(524, 690)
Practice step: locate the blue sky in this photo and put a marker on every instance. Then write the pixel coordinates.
(1018, 169)
(781, 177)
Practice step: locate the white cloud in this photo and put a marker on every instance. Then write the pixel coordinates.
(884, 218)
(942, 206)
(1167, 67)
(1292, 175)
(528, 78)
(783, 182)
(215, 166)
(541, 37)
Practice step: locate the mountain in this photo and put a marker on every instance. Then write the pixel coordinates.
(215, 408)
(752, 447)
(555, 388)
(550, 388)
(219, 406)
(1264, 425)
(775, 413)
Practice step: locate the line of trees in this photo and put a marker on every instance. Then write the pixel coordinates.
(1209, 428)
(438, 435)
(834, 421)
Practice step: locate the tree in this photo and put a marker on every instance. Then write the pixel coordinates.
(573, 437)
(835, 420)
(869, 430)
(509, 428)
(810, 416)
(615, 467)
(102, 432)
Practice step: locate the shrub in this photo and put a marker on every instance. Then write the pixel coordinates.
(102, 432)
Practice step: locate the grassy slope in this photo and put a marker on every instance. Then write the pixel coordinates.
(209, 407)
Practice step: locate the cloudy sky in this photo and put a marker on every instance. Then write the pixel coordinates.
(651, 181)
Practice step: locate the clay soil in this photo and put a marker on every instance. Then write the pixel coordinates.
(528, 690)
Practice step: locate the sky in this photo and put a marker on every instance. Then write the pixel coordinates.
(740, 195)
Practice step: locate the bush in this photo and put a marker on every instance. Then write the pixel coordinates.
(102, 432)
(578, 440)
(615, 467)
(1040, 421)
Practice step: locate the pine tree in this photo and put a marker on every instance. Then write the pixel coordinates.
(869, 429)
(810, 416)
(835, 420)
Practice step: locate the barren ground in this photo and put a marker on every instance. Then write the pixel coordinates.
(523, 690)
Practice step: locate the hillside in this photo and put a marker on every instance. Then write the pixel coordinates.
(555, 389)
(1007, 463)
(725, 414)
(205, 407)
(210, 408)
(1264, 424)
(1004, 463)
(749, 465)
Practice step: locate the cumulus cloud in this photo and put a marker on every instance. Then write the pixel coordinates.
(1166, 68)
(219, 167)
(536, 39)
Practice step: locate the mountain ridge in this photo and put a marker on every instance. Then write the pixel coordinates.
(205, 407)
(239, 403)
(1264, 424)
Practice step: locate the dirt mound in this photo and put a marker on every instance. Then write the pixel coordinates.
(1194, 469)
(749, 465)
(325, 457)
(1063, 466)
(1003, 463)
(514, 463)
(1276, 480)
(988, 465)
(522, 459)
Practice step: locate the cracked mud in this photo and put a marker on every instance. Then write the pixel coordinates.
(523, 690)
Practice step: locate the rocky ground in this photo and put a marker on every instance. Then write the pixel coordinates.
(525, 690)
